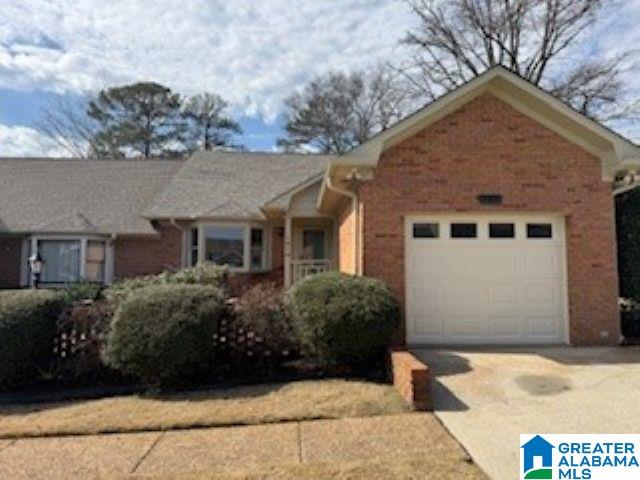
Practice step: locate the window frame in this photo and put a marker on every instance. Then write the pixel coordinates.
(474, 223)
(416, 225)
(514, 230)
(246, 254)
(534, 224)
(31, 245)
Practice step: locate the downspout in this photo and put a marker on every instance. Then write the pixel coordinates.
(183, 247)
(356, 214)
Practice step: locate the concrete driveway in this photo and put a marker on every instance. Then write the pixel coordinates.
(487, 398)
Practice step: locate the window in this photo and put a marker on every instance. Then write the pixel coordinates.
(95, 261)
(61, 261)
(224, 246)
(426, 230)
(502, 230)
(71, 259)
(464, 230)
(539, 230)
(193, 247)
(241, 247)
(257, 249)
(313, 245)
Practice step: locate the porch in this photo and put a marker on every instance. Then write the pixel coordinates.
(309, 247)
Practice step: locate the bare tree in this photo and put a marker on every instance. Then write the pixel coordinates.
(65, 122)
(337, 111)
(208, 125)
(459, 39)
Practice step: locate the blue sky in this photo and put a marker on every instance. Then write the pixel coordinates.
(252, 52)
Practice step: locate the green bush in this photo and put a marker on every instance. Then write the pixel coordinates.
(78, 292)
(162, 334)
(260, 312)
(205, 274)
(342, 319)
(27, 328)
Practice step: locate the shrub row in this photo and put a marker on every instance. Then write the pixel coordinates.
(167, 330)
(27, 329)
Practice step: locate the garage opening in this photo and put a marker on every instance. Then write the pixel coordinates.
(486, 279)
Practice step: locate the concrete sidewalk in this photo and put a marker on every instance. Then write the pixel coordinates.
(221, 449)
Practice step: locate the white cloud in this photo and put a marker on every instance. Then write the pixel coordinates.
(253, 52)
(19, 141)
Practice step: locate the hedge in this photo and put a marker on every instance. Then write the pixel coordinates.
(27, 328)
(162, 335)
(342, 319)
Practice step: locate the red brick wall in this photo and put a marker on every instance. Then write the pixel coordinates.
(134, 256)
(10, 257)
(346, 223)
(411, 378)
(489, 147)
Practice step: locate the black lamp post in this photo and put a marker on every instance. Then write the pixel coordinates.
(35, 264)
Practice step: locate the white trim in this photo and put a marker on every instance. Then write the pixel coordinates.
(368, 153)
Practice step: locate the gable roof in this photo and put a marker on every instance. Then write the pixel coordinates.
(613, 149)
(233, 184)
(80, 196)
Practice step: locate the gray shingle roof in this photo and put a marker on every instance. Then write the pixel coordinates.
(80, 196)
(232, 184)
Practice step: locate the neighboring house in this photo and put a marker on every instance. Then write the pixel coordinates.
(489, 212)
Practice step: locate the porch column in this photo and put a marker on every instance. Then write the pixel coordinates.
(287, 249)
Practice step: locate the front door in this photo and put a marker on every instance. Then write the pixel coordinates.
(314, 244)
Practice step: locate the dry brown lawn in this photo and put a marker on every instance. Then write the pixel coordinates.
(305, 400)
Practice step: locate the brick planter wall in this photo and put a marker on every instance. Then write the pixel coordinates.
(411, 378)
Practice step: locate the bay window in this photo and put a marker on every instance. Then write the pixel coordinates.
(241, 247)
(224, 246)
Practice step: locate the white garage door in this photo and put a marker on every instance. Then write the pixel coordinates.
(485, 279)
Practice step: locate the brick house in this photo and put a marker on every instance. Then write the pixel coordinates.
(489, 213)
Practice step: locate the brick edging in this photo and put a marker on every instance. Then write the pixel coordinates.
(411, 378)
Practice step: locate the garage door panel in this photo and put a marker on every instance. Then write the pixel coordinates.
(461, 261)
(502, 262)
(484, 291)
(541, 294)
(505, 326)
(428, 326)
(422, 297)
(424, 261)
(542, 262)
(453, 296)
(542, 326)
(464, 325)
(503, 295)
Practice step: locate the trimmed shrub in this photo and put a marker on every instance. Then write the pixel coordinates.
(205, 274)
(260, 312)
(342, 319)
(27, 328)
(162, 335)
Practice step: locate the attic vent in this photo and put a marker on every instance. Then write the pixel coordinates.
(489, 199)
